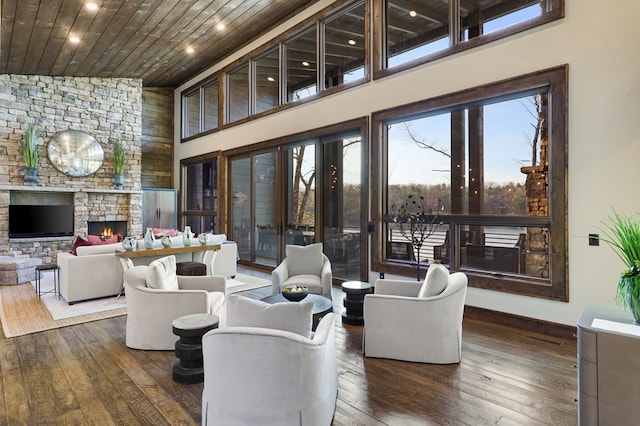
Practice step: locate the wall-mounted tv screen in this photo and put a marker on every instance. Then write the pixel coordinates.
(28, 221)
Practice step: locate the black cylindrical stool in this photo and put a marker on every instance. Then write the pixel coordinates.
(190, 329)
(354, 301)
(191, 268)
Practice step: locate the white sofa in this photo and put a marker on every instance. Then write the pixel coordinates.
(94, 272)
(97, 272)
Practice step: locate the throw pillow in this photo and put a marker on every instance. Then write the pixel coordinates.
(161, 274)
(96, 240)
(79, 242)
(160, 232)
(435, 282)
(304, 260)
(295, 317)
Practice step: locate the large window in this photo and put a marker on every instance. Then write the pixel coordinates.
(416, 32)
(488, 166)
(238, 93)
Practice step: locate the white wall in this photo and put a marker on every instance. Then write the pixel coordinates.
(598, 41)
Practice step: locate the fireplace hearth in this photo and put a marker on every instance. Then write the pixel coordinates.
(108, 228)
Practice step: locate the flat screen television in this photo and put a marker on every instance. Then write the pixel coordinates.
(28, 221)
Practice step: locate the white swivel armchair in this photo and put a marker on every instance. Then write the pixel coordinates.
(304, 265)
(156, 296)
(254, 375)
(416, 321)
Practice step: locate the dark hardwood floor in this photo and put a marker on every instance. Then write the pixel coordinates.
(84, 374)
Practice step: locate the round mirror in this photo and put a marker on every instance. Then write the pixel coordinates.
(75, 153)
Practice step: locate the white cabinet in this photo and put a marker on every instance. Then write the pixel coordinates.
(159, 208)
(608, 365)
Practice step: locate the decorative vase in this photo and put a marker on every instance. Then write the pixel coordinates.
(148, 238)
(31, 176)
(118, 180)
(203, 238)
(186, 236)
(633, 305)
(166, 241)
(129, 243)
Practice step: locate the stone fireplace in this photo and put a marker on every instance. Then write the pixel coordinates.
(107, 109)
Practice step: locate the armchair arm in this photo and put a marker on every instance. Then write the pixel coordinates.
(279, 276)
(397, 287)
(326, 277)
(206, 282)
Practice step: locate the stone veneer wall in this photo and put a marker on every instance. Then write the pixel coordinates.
(105, 108)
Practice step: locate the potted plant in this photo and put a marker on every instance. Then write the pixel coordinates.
(30, 154)
(622, 234)
(118, 163)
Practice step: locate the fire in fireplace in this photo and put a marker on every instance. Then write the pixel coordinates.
(108, 228)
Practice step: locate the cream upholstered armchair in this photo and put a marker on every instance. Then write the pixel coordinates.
(416, 321)
(264, 367)
(304, 265)
(156, 296)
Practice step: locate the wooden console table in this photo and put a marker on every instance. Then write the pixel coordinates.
(126, 256)
(166, 251)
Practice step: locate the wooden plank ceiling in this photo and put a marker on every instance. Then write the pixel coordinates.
(144, 39)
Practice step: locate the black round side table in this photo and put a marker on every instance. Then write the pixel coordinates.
(354, 301)
(190, 329)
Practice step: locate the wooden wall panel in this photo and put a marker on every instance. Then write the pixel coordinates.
(157, 138)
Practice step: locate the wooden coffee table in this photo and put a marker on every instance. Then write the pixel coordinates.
(321, 305)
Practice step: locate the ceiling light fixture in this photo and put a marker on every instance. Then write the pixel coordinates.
(92, 6)
(74, 39)
(271, 79)
(305, 63)
(220, 26)
(190, 50)
(352, 42)
(413, 14)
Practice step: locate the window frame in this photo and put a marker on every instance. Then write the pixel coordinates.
(556, 80)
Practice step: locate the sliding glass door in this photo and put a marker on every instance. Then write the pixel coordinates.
(302, 192)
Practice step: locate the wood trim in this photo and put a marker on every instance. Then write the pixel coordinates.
(523, 323)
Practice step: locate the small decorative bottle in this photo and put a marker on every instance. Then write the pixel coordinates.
(186, 236)
(166, 240)
(203, 238)
(149, 239)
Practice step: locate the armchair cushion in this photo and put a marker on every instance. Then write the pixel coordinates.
(245, 312)
(161, 274)
(435, 281)
(304, 260)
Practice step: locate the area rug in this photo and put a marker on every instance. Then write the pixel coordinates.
(23, 312)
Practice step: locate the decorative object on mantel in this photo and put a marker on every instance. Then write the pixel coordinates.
(416, 223)
(166, 240)
(149, 238)
(203, 238)
(118, 164)
(30, 154)
(187, 235)
(75, 153)
(622, 234)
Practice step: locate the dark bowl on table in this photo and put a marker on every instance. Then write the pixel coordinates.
(295, 293)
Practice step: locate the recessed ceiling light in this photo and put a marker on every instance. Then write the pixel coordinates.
(220, 26)
(305, 63)
(74, 39)
(91, 6)
(190, 50)
(413, 14)
(352, 42)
